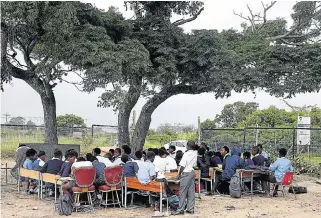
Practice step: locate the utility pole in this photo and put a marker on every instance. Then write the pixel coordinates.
(7, 116)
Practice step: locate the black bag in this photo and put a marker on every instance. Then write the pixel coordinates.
(298, 190)
(235, 186)
(64, 205)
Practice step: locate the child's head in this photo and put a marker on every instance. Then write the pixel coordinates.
(108, 155)
(58, 154)
(71, 156)
(42, 155)
(246, 155)
(31, 153)
(111, 152)
(139, 155)
(117, 152)
(124, 158)
(255, 150)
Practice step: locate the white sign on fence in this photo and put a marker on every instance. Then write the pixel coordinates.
(303, 136)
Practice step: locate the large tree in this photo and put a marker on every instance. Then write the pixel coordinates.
(233, 114)
(218, 62)
(70, 120)
(39, 32)
(17, 121)
(55, 38)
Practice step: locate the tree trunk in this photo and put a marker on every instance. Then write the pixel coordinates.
(123, 124)
(145, 117)
(142, 125)
(49, 114)
(48, 101)
(125, 109)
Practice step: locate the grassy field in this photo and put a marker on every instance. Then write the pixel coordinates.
(315, 159)
(9, 145)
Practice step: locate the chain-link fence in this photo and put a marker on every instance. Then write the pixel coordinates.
(95, 136)
(272, 139)
(104, 135)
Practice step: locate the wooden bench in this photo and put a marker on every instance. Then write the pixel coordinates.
(152, 186)
(50, 178)
(30, 174)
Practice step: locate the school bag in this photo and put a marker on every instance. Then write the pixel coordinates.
(64, 205)
(235, 186)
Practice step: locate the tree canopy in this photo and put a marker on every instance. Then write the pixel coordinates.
(70, 120)
(57, 38)
(270, 117)
(17, 121)
(151, 56)
(233, 114)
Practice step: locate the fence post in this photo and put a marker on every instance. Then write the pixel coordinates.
(92, 130)
(6, 173)
(293, 143)
(244, 136)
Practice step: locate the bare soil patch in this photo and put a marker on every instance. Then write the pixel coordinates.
(306, 205)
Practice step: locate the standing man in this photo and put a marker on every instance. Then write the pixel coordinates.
(20, 157)
(186, 175)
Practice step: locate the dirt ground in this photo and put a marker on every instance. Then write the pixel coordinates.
(306, 205)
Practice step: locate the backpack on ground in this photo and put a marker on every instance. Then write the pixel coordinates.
(64, 205)
(298, 190)
(235, 186)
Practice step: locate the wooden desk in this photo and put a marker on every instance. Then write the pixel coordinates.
(170, 175)
(251, 174)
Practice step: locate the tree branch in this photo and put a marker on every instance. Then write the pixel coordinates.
(291, 43)
(265, 10)
(74, 83)
(26, 55)
(18, 62)
(183, 21)
(295, 27)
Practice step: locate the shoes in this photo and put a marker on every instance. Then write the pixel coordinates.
(190, 212)
(177, 213)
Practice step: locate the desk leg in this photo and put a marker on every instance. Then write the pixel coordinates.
(251, 186)
(39, 190)
(161, 202)
(125, 197)
(199, 187)
(56, 192)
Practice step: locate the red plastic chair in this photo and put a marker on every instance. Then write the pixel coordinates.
(84, 178)
(113, 178)
(286, 181)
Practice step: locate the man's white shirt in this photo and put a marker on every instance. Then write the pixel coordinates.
(117, 161)
(171, 163)
(161, 165)
(189, 161)
(104, 160)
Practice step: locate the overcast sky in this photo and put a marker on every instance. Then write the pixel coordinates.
(19, 99)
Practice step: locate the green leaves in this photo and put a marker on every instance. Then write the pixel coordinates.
(70, 120)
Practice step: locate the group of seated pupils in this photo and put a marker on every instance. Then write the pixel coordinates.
(154, 163)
